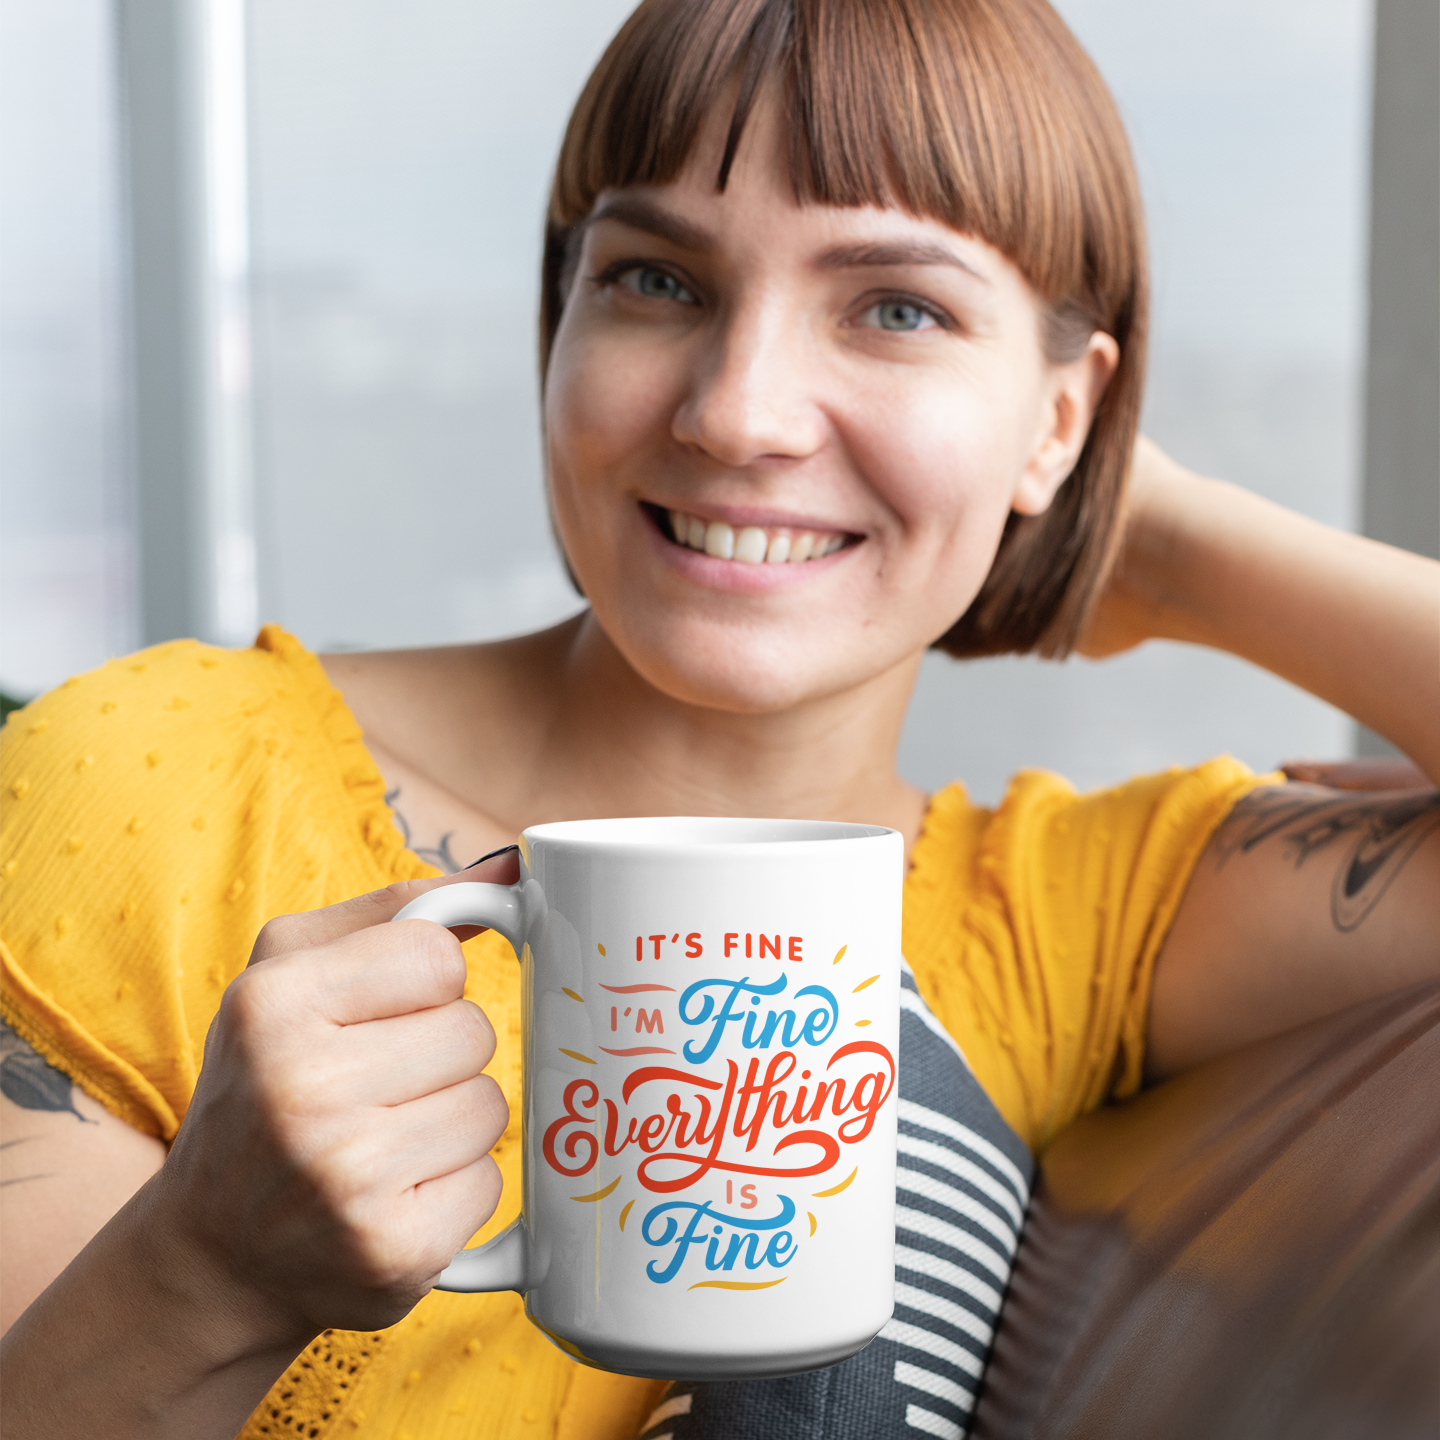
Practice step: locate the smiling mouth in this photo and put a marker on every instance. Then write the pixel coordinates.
(749, 545)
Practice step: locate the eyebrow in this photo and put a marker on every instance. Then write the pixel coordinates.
(641, 214)
(895, 252)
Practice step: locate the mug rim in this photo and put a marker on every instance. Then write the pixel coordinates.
(713, 834)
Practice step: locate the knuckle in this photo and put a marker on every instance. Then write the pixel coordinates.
(277, 935)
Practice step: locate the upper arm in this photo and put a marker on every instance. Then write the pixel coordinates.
(1306, 900)
(66, 1166)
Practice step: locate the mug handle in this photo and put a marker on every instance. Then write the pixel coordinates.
(504, 1262)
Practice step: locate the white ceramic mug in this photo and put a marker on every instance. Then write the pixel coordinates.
(711, 1030)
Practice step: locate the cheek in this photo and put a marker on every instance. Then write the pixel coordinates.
(945, 458)
(605, 403)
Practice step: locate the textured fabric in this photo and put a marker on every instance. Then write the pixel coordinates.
(158, 810)
(962, 1186)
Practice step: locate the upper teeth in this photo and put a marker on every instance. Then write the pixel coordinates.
(751, 545)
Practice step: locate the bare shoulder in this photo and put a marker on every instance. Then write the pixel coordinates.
(66, 1166)
(1306, 900)
(409, 699)
(452, 729)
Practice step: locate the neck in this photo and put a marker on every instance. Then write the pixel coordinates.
(616, 745)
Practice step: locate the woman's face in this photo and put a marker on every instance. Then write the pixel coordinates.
(739, 381)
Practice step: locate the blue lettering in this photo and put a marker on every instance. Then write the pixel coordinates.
(697, 1007)
(661, 1228)
(698, 1054)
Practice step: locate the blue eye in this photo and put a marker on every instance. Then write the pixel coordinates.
(898, 315)
(655, 284)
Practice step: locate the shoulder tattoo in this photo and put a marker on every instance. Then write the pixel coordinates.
(1374, 835)
(28, 1080)
(437, 855)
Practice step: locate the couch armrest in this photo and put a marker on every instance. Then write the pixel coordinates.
(1249, 1251)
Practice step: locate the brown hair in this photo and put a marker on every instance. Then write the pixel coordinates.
(983, 114)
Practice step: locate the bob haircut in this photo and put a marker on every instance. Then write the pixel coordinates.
(983, 114)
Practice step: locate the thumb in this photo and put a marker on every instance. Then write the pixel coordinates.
(499, 867)
(314, 928)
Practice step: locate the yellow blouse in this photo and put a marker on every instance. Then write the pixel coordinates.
(157, 810)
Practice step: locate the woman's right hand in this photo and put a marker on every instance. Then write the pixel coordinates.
(333, 1159)
(335, 1155)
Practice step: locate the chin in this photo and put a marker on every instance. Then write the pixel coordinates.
(743, 669)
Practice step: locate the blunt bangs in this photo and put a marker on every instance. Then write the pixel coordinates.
(985, 115)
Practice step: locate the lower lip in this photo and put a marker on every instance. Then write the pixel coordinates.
(735, 575)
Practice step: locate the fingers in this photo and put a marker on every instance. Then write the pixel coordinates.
(315, 928)
(380, 971)
(444, 1131)
(449, 1209)
(400, 1058)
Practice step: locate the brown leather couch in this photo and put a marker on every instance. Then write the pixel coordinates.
(1249, 1251)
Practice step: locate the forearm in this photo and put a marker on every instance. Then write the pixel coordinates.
(1351, 621)
(140, 1336)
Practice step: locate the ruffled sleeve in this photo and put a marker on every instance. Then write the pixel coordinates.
(1035, 928)
(156, 812)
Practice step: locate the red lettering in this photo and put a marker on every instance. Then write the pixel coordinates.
(772, 946)
(730, 942)
(829, 1154)
(872, 1086)
(693, 947)
(795, 941)
(652, 1132)
(612, 1117)
(613, 1023)
(576, 1139)
(650, 1021)
(657, 941)
(879, 1092)
(687, 1137)
(824, 1088)
(766, 1090)
(747, 944)
(639, 953)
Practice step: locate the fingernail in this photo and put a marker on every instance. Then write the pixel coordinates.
(503, 850)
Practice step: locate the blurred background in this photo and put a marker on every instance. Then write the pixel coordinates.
(267, 332)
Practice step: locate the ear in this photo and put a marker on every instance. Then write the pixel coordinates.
(1070, 395)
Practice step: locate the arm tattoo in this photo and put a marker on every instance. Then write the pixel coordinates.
(30, 1081)
(1377, 835)
(437, 855)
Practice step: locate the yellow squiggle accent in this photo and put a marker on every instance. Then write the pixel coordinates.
(625, 1212)
(840, 952)
(566, 990)
(813, 1222)
(836, 1189)
(575, 1055)
(601, 1194)
(600, 948)
(862, 1022)
(864, 983)
(738, 1284)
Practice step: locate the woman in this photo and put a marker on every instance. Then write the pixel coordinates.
(843, 325)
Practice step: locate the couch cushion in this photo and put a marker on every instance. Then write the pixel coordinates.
(1250, 1250)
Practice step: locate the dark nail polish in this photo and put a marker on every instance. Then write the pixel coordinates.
(503, 850)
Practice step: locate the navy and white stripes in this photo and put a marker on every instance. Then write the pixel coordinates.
(962, 1185)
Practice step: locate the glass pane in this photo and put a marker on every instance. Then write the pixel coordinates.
(67, 594)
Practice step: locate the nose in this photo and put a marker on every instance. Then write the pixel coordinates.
(753, 392)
